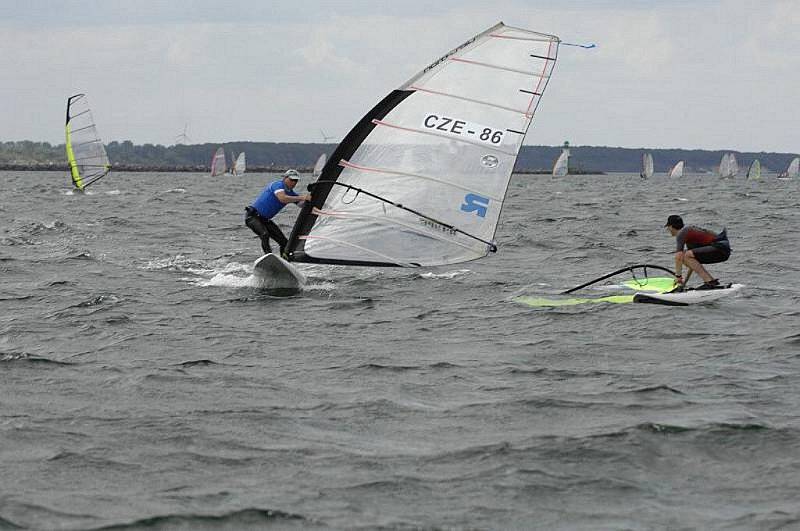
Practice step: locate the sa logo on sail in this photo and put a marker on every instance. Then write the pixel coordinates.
(475, 203)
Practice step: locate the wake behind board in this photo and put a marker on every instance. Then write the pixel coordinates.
(688, 297)
(273, 272)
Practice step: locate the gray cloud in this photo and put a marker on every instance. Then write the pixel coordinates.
(667, 74)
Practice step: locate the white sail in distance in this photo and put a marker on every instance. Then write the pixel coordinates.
(677, 171)
(320, 164)
(561, 167)
(733, 165)
(647, 165)
(218, 165)
(725, 166)
(754, 171)
(793, 171)
(240, 166)
(421, 179)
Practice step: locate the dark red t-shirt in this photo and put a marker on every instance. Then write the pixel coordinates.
(692, 237)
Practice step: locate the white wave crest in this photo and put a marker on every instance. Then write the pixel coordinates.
(447, 275)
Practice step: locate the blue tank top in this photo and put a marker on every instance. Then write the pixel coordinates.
(267, 203)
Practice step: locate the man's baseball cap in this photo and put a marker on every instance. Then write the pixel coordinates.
(292, 174)
(674, 221)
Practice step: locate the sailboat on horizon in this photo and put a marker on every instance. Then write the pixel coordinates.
(239, 165)
(218, 164)
(86, 154)
(561, 166)
(677, 171)
(754, 171)
(792, 171)
(728, 167)
(647, 166)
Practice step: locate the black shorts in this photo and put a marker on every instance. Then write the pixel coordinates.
(711, 254)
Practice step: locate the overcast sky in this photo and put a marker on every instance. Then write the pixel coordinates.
(668, 73)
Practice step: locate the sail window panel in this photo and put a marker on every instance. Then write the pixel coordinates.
(468, 167)
(465, 121)
(370, 230)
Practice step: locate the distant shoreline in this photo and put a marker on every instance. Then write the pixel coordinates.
(63, 168)
(271, 157)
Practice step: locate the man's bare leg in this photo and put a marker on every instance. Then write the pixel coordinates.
(691, 262)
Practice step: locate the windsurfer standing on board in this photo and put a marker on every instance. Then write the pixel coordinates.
(272, 199)
(702, 247)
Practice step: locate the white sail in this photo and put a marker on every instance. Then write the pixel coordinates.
(320, 165)
(793, 171)
(725, 166)
(86, 154)
(647, 165)
(677, 171)
(561, 167)
(240, 166)
(754, 171)
(218, 165)
(733, 165)
(421, 179)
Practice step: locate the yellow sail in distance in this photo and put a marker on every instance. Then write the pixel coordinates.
(88, 161)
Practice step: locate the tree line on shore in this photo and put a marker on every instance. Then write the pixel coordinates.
(269, 156)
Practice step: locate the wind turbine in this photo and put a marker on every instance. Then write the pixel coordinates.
(325, 137)
(183, 138)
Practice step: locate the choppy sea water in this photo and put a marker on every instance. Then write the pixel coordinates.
(147, 383)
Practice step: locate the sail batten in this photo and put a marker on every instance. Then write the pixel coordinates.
(500, 67)
(479, 102)
(422, 178)
(85, 129)
(74, 145)
(440, 135)
(418, 176)
(427, 220)
(509, 37)
(84, 144)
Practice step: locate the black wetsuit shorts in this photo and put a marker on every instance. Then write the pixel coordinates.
(712, 254)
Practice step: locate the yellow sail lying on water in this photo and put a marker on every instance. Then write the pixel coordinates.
(88, 161)
(655, 285)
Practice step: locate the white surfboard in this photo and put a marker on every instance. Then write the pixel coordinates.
(690, 296)
(273, 272)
